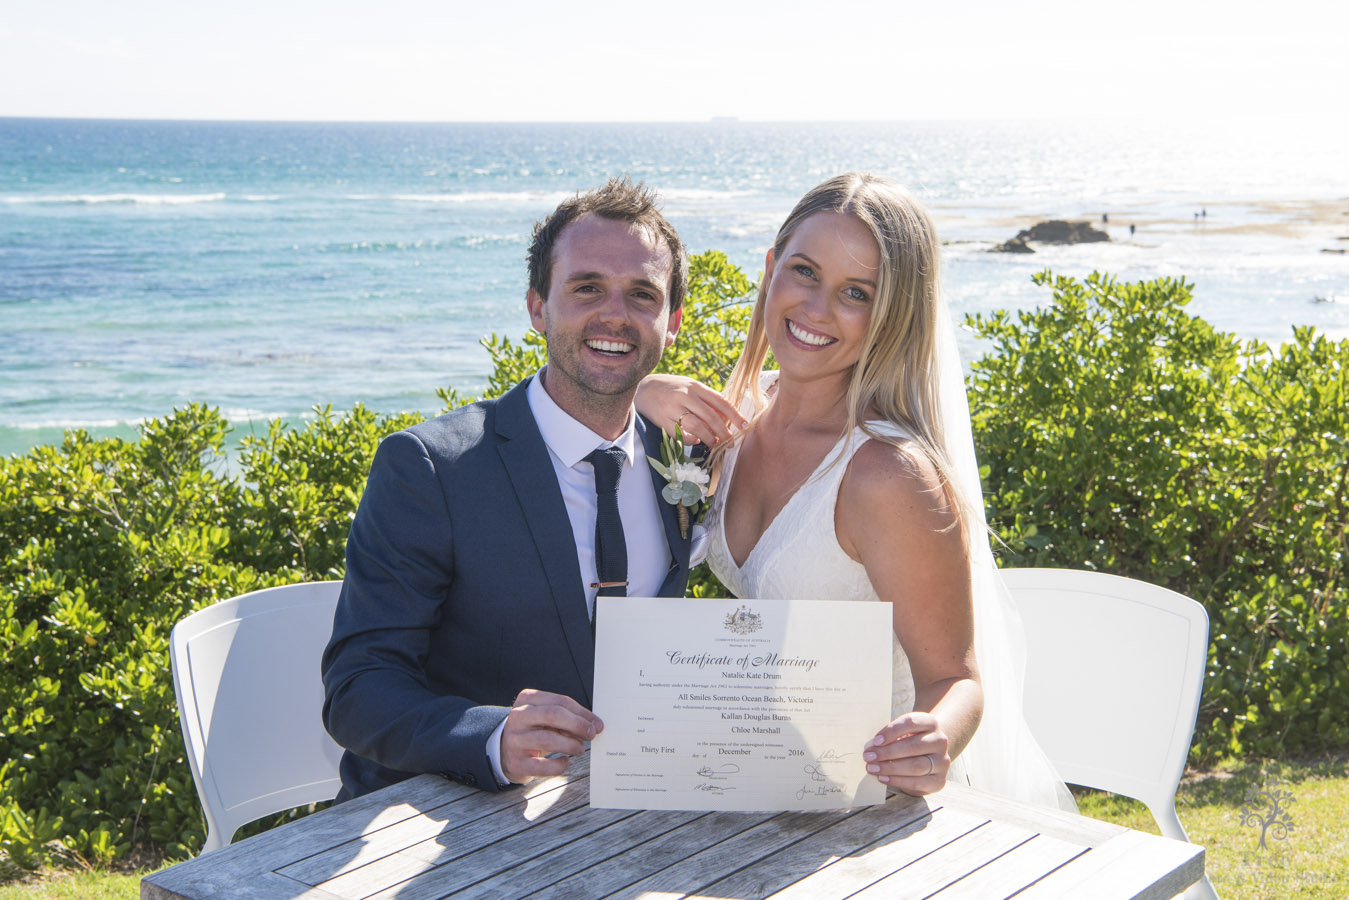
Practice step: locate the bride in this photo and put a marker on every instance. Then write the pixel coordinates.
(854, 478)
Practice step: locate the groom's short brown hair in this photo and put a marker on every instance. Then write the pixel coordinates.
(620, 200)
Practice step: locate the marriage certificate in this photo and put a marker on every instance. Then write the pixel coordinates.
(738, 704)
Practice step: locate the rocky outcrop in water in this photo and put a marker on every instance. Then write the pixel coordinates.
(1054, 231)
(1015, 245)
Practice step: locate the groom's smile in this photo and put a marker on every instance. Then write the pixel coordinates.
(610, 348)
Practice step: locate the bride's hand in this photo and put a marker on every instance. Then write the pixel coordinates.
(911, 754)
(673, 400)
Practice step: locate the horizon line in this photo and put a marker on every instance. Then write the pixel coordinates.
(710, 120)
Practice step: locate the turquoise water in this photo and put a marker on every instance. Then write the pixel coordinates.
(269, 268)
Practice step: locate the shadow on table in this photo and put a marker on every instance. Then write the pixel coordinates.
(546, 842)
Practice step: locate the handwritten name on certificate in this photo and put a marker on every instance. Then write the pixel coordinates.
(738, 704)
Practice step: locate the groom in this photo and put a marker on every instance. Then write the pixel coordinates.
(462, 642)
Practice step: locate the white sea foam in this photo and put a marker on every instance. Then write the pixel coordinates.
(747, 231)
(244, 414)
(70, 424)
(530, 197)
(698, 195)
(233, 414)
(478, 239)
(90, 199)
(692, 195)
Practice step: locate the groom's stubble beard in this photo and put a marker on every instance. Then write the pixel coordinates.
(601, 394)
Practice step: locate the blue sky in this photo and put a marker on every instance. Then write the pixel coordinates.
(615, 60)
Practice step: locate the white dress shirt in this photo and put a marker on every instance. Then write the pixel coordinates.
(569, 443)
(649, 559)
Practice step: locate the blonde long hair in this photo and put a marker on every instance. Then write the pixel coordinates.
(896, 374)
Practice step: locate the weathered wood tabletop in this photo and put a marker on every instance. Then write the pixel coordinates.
(430, 838)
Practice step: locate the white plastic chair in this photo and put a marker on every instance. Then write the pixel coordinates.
(246, 673)
(1114, 670)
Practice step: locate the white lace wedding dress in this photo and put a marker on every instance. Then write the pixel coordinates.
(799, 557)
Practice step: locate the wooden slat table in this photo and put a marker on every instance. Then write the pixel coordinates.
(429, 838)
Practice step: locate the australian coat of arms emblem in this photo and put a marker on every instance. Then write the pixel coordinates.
(743, 621)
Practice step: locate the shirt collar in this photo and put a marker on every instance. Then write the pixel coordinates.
(570, 441)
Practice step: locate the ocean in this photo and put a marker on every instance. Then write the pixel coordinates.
(268, 268)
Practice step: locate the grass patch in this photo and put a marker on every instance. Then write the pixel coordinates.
(1311, 861)
(74, 886)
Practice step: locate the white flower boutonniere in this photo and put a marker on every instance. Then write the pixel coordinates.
(686, 478)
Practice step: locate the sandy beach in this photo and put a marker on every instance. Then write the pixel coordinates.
(1303, 220)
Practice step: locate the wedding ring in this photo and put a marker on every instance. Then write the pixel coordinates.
(931, 765)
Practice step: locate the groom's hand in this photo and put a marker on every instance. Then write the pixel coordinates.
(539, 726)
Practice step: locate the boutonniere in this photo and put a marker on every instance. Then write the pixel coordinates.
(686, 479)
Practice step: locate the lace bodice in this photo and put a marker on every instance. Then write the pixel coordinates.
(799, 557)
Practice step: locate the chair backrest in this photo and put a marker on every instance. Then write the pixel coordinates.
(1114, 670)
(246, 673)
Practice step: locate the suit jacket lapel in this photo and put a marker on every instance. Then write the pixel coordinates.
(525, 456)
(679, 546)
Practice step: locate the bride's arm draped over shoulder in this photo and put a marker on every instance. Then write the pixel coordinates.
(893, 516)
(674, 400)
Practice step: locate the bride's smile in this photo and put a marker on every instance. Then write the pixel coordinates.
(820, 292)
(808, 337)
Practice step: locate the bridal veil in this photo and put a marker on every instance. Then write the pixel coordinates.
(1003, 756)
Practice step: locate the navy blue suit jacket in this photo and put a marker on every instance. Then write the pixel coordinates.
(462, 589)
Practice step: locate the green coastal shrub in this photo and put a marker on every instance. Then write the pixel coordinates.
(1122, 434)
(1119, 433)
(104, 545)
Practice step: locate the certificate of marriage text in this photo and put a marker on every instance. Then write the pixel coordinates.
(738, 704)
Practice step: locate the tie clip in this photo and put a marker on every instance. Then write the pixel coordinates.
(605, 584)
